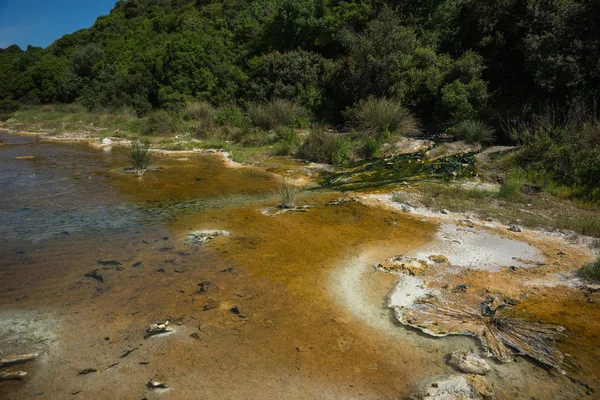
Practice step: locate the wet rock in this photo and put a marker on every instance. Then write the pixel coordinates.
(439, 259)
(87, 371)
(407, 208)
(467, 222)
(461, 287)
(202, 237)
(95, 275)
(444, 211)
(403, 265)
(409, 146)
(469, 363)
(514, 228)
(449, 149)
(447, 387)
(157, 329)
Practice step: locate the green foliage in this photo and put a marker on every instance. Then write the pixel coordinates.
(448, 61)
(140, 158)
(161, 123)
(380, 118)
(473, 131)
(324, 147)
(563, 144)
(295, 75)
(230, 115)
(590, 271)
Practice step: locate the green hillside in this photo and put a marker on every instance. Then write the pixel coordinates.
(447, 61)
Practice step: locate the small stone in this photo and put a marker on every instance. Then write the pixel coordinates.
(469, 363)
(444, 211)
(514, 228)
(156, 385)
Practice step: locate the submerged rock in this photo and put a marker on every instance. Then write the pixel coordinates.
(202, 237)
(469, 363)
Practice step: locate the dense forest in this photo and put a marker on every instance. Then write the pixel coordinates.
(448, 61)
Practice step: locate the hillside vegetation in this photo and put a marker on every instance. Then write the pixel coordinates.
(379, 68)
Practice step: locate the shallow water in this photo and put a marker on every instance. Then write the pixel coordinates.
(293, 308)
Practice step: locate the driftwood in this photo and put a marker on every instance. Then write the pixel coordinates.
(11, 360)
(498, 332)
(12, 376)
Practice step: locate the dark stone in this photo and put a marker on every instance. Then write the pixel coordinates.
(137, 264)
(161, 270)
(108, 262)
(94, 275)
(87, 371)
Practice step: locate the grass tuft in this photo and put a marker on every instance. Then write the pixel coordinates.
(139, 156)
(380, 118)
(591, 271)
(275, 113)
(472, 131)
(287, 194)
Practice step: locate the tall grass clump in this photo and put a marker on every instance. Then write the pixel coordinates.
(139, 156)
(160, 123)
(591, 271)
(473, 131)
(275, 113)
(287, 194)
(325, 147)
(380, 118)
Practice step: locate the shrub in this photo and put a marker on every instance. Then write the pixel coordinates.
(473, 131)
(9, 106)
(371, 148)
(139, 156)
(287, 194)
(591, 271)
(230, 115)
(380, 118)
(286, 141)
(325, 147)
(565, 145)
(275, 113)
(254, 138)
(201, 111)
(160, 123)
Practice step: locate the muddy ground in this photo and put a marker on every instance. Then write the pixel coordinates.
(288, 306)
